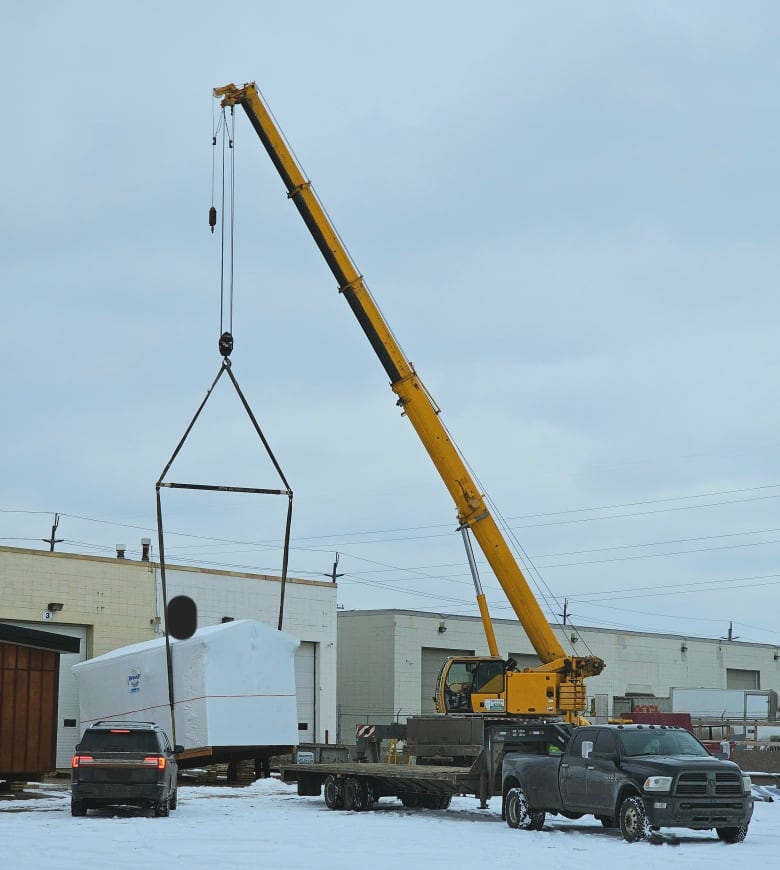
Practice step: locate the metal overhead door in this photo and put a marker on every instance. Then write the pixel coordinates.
(431, 662)
(305, 669)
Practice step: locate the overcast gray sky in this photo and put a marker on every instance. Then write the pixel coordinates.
(568, 213)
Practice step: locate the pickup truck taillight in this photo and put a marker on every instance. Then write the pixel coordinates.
(156, 760)
(81, 759)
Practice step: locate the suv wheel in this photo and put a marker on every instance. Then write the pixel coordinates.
(162, 808)
(174, 801)
(78, 807)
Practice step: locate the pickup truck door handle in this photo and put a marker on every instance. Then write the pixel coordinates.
(591, 767)
(565, 764)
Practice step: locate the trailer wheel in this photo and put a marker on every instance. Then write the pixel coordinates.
(732, 835)
(354, 794)
(334, 793)
(519, 814)
(370, 797)
(633, 820)
(411, 801)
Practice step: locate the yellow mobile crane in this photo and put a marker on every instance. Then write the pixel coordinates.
(482, 684)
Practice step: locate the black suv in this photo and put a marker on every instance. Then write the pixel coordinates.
(120, 762)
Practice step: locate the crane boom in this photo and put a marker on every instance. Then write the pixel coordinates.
(413, 398)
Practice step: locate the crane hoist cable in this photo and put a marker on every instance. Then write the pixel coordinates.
(226, 128)
(227, 228)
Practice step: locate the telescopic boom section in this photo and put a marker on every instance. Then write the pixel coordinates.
(413, 398)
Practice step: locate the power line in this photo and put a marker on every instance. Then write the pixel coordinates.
(511, 519)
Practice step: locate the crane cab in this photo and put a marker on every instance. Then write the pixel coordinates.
(490, 685)
(464, 684)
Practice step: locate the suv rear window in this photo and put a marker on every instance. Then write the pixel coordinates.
(124, 741)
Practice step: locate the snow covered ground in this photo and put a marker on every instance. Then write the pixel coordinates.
(266, 825)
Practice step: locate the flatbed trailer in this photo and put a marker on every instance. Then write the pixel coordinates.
(474, 747)
(359, 785)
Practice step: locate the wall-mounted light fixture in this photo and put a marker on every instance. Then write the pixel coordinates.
(777, 654)
(55, 606)
(573, 637)
(684, 647)
(442, 627)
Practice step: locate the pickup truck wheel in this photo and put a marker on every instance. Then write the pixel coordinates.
(519, 814)
(78, 807)
(633, 820)
(334, 793)
(354, 794)
(162, 809)
(732, 835)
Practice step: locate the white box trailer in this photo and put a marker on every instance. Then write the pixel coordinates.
(725, 703)
(233, 687)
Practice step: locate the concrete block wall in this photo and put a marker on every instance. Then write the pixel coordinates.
(114, 598)
(366, 670)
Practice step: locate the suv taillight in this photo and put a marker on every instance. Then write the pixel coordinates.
(156, 760)
(81, 759)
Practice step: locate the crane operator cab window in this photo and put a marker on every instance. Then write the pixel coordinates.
(466, 678)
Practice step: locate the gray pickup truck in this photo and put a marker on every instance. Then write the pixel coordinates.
(638, 778)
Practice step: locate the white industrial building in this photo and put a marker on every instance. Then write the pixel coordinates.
(388, 662)
(113, 602)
